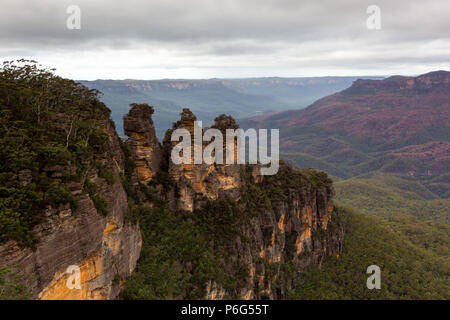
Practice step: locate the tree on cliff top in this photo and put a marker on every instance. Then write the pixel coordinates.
(49, 127)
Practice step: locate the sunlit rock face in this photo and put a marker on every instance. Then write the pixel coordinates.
(298, 229)
(105, 248)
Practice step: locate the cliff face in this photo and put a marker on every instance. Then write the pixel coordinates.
(295, 229)
(105, 248)
(197, 183)
(288, 220)
(142, 142)
(281, 224)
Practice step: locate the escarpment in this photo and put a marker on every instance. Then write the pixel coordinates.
(103, 245)
(280, 224)
(95, 201)
(65, 222)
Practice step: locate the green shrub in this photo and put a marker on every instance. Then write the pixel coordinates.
(177, 258)
(57, 193)
(106, 174)
(10, 286)
(100, 204)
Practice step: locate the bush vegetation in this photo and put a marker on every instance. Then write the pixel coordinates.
(179, 255)
(11, 287)
(47, 125)
(407, 271)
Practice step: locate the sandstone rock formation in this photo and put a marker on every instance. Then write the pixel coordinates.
(287, 219)
(297, 228)
(105, 248)
(142, 141)
(199, 182)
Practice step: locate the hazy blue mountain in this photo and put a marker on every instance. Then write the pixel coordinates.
(208, 98)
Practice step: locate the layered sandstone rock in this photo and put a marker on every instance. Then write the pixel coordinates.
(197, 183)
(142, 141)
(294, 229)
(300, 230)
(104, 248)
(296, 226)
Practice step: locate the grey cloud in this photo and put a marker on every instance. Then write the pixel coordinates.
(203, 20)
(285, 30)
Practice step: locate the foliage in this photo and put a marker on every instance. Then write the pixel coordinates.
(177, 258)
(100, 204)
(164, 179)
(407, 271)
(382, 194)
(105, 174)
(220, 221)
(10, 285)
(278, 187)
(125, 178)
(403, 206)
(48, 125)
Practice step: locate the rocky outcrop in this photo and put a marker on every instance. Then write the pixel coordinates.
(296, 228)
(197, 183)
(104, 248)
(142, 141)
(287, 222)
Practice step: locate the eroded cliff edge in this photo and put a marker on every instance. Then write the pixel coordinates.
(261, 232)
(96, 236)
(276, 226)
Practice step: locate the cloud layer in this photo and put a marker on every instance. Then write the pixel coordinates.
(229, 38)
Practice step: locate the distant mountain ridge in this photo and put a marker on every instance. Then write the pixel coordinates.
(399, 125)
(134, 224)
(393, 108)
(209, 97)
(387, 145)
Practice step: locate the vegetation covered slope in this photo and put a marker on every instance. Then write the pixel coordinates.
(178, 257)
(387, 144)
(407, 271)
(11, 287)
(381, 194)
(406, 207)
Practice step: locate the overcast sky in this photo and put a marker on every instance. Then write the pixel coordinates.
(154, 39)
